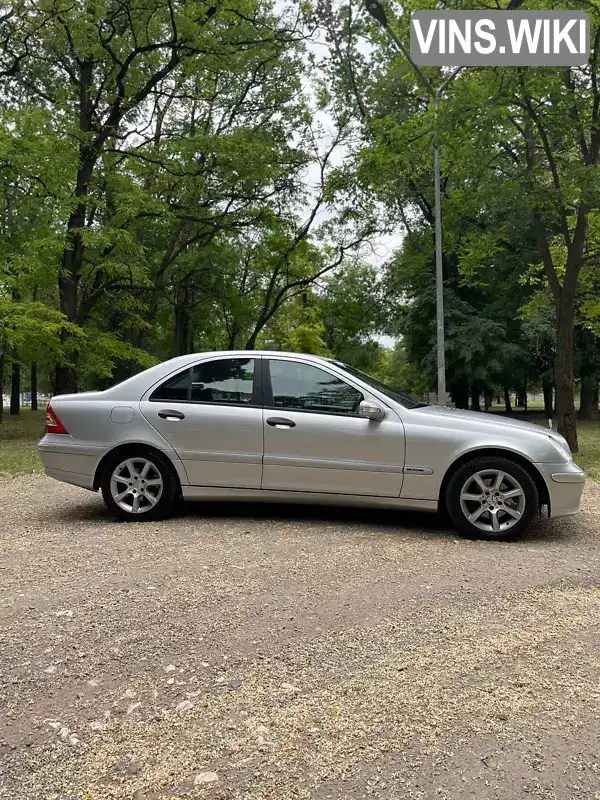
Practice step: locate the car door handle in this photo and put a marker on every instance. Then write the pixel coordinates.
(281, 422)
(168, 413)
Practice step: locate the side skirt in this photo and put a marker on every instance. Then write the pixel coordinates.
(310, 498)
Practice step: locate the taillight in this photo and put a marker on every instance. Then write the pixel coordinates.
(53, 424)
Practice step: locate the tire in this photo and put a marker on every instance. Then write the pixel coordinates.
(474, 498)
(148, 476)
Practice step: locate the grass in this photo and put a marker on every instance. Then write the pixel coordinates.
(588, 456)
(19, 437)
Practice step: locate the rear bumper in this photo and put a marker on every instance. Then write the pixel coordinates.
(74, 478)
(69, 463)
(565, 484)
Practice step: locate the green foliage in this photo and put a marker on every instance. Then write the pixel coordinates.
(355, 310)
(29, 327)
(402, 374)
(152, 162)
(166, 186)
(521, 191)
(298, 329)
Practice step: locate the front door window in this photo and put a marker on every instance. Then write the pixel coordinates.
(303, 387)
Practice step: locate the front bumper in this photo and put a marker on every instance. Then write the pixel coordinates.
(565, 484)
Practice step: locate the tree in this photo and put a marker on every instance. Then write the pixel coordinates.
(169, 145)
(542, 128)
(355, 311)
(560, 171)
(539, 131)
(95, 70)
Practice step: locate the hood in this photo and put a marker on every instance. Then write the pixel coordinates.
(457, 417)
(469, 420)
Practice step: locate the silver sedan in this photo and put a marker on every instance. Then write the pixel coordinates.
(242, 425)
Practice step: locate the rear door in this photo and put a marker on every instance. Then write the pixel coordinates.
(211, 414)
(315, 441)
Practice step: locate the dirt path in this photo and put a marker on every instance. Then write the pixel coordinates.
(249, 652)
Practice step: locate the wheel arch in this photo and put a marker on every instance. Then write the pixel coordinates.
(496, 452)
(123, 449)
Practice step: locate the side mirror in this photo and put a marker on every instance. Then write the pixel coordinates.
(370, 410)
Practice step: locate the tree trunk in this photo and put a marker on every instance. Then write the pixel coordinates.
(521, 399)
(488, 398)
(507, 404)
(475, 406)
(328, 338)
(128, 367)
(181, 333)
(460, 394)
(232, 336)
(65, 380)
(2, 360)
(33, 369)
(588, 404)
(65, 377)
(565, 404)
(548, 390)
(15, 389)
(33, 380)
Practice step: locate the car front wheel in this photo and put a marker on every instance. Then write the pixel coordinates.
(491, 498)
(138, 486)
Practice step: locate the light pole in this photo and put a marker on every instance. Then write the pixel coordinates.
(377, 11)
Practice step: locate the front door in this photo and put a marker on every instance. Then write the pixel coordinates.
(315, 441)
(211, 416)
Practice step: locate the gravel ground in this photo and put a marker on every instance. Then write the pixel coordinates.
(284, 652)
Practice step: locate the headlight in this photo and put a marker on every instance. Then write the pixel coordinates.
(561, 445)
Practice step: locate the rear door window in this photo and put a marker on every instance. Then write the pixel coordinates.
(227, 380)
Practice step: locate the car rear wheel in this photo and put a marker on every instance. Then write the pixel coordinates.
(139, 485)
(492, 498)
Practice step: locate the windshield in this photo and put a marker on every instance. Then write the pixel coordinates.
(399, 397)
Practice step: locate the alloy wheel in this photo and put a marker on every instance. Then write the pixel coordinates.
(136, 485)
(492, 500)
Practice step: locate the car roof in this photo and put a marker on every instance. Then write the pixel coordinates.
(254, 352)
(190, 357)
